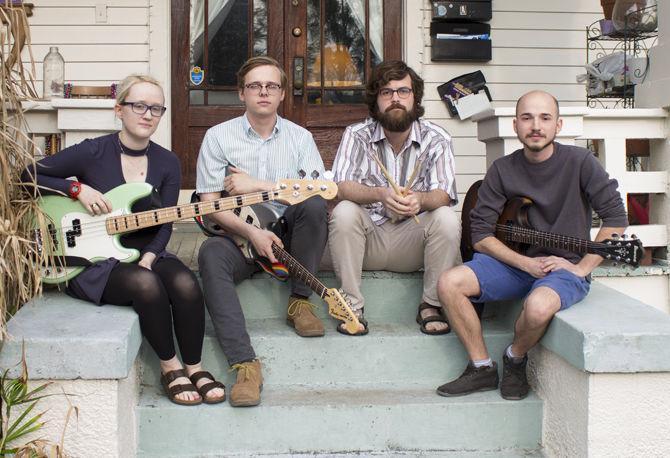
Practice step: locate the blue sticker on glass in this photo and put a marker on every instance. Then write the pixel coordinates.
(197, 75)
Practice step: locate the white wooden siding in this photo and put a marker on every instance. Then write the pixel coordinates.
(536, 45)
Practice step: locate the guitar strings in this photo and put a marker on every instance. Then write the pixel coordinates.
(99, 227)
(552, 238)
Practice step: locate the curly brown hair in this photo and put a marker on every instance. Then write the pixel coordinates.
(259, 61)
(386, 72)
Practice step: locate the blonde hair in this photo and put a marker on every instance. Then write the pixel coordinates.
(124, 86)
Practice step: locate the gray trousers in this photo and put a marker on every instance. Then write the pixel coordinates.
(222, 265)
(357, 244)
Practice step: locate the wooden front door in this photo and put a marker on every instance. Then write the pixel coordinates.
(327, 48)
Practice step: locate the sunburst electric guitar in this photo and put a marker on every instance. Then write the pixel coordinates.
(75, 238)
(513, 228)
(264, 216)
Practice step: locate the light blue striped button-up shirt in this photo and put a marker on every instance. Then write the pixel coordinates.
(288, 150)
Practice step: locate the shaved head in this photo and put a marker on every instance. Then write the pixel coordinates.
(535, 95)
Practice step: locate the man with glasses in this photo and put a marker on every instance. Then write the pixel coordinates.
(396, 178)
(250, 154)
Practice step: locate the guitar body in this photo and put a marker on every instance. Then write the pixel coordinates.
(84, 236)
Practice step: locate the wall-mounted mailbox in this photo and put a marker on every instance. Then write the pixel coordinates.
(460, 41)
(473, 10)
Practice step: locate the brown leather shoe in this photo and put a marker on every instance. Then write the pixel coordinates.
(300, 315)
(246, 391)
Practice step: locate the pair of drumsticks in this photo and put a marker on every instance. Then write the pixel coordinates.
(393, 184)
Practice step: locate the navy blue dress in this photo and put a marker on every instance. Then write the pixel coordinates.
(97, 163)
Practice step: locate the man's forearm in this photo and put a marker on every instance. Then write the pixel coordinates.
(591, 261)
(498, 250)
(433, 199)
(227, 219)
(358, 193)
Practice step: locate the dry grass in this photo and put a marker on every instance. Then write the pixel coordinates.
(19, 276)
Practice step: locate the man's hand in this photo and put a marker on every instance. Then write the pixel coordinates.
(240, 182)
(95, 202)
(553, 263)
(400, 205)
(147, 260)
(534, 267)
(262, 241)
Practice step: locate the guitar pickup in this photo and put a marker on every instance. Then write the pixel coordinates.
(73, 233)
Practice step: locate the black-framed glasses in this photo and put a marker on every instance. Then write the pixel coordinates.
(141, 108)
(387, 93)
(256, 87)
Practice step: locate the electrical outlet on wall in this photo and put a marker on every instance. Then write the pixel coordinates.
(100, 12)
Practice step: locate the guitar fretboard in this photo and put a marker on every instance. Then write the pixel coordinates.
(297, 270)
(546, 239)
(135, 221)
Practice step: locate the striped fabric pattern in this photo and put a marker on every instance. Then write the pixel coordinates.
(288, 150)
(427, 143)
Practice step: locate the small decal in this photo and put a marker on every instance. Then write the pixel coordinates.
(197, 75)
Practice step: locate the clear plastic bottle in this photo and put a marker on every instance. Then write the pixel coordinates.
(54, 74)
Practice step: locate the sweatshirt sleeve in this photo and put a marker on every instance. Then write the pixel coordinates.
(602, 194)
(490, 204)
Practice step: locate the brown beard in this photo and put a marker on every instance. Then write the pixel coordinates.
(396, 118)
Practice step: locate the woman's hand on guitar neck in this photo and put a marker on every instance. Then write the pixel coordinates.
(262, 241)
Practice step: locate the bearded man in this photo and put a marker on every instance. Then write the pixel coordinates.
(396, 178)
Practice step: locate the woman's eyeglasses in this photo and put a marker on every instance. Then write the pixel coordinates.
(141, 108)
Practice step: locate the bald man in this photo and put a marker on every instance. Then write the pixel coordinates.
(565, 184)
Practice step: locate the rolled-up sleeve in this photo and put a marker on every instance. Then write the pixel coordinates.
(211, 166)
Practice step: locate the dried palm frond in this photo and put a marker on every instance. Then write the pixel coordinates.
(19, 256)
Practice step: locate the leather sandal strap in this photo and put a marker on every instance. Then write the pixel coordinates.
(207, 387)
(195, 377)
(177, 389)
(175, 374)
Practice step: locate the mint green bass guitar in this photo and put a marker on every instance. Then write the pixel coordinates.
(75, 238)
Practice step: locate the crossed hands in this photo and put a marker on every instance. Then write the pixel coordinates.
(541, 266)
(407, 205)
(240, 182)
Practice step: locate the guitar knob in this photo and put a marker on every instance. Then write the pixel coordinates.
(310, 187)
(323, 187)
(295, 194)
(296, 186)
(615, 236)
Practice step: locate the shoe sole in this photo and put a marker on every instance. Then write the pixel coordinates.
(514, 398)
(306, 334)
(465, 393)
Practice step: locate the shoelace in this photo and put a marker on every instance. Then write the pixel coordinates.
(246, 369)
(296, 307)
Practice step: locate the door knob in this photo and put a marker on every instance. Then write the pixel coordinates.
(298, 75)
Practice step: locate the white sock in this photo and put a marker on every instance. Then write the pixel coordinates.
(482, 362)
(512, 356)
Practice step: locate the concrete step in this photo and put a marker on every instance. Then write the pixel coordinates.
(392, 353)
(293, 420)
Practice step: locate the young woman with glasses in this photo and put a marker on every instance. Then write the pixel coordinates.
(161, 289)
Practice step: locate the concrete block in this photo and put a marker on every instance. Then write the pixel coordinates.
(68, 339)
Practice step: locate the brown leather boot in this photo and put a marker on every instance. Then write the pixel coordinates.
(246, 391)
(300, 315)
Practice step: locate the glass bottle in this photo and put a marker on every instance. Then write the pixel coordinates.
(54, 74)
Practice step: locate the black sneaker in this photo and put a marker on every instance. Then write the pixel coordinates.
(514, 384)
(473, 379)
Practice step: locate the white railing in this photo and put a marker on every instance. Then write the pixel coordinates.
(609, 128)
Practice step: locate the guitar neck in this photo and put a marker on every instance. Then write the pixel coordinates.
(534, 237)
(141, 220)
(298, 270)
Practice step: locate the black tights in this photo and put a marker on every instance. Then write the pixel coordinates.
(167, 294)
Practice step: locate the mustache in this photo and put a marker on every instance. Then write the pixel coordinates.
(393, 106)
(535, 133)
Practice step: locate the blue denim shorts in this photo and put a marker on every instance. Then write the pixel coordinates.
(500, 282)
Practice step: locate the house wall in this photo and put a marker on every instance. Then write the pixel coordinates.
(536, 45)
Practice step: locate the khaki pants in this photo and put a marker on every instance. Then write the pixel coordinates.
(357, 244)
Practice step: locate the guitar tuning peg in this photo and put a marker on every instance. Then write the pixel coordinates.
(633, 236)
(302, 173)
(328, 175)
(615, 236)
(315, 174)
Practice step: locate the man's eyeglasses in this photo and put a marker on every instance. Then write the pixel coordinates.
(387, 93)
(141, 108)
(256, 88)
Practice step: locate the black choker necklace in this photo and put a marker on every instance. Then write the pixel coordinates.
(131, 152)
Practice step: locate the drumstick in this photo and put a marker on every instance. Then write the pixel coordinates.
(390, 180)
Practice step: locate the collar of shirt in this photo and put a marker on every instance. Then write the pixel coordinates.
(414, 135)
(251, 132)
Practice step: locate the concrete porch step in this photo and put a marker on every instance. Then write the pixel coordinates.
(392, 353)
(305, 419)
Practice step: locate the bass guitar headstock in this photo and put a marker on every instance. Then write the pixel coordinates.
(339, 308)
(293, 191)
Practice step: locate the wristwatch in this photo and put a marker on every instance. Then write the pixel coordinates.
(75, 189)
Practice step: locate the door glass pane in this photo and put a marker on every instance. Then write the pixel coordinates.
(344, 43)
(314, 43)
(223, 98)
(227, 41)
(260, 27)
(197, 24)
(376, 32)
